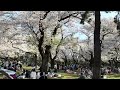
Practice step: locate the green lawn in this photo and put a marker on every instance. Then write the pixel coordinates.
(74, 76)
(113, 76)
(67, 76)
(27, 67)
(1, 76)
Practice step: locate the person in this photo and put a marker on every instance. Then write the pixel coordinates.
(105, 77)
(46, 74)
(27, 74)
(82, 76)
(55, 68)
(37, 75)
(102, 77)
(33, 74)
(6, 64)
(42, 76)
(14, 76)
(20, 65)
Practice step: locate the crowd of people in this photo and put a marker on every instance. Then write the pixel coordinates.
(17, 66)
(28, 74)
(12, 65)
(33, 75)
(83, 72)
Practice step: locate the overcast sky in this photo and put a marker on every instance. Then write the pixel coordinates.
(110, 15)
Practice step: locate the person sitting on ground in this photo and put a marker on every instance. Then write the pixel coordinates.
(101, 76)
(82, 76)
(20, 66)
(33, 74)
(37, 75)
(46, 74)
(42, 76)
(27, 74)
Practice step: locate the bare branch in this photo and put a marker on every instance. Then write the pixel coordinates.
(68, 16)
(57, 49)
(82, 55)
(31, 28)
(45, 15)
(16, 47)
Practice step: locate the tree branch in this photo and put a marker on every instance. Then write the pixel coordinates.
(41, 40)
(17, 47)
(45, 15)
(82, 55)
(31, 28)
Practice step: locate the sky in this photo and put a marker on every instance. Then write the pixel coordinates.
(110, 15)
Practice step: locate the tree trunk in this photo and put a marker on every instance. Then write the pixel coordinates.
(65, 62)
(46, 59)
(115, 63)
(52, 63)
(35, 60)
(58, 65)
(97, 47)
(91, 61)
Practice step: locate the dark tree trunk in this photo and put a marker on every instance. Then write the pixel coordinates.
(65, 58)
(91, 61)
(52, 63)
(97, 47)
(35, 58)
(65, 62)
(58, 65)
(110, 63)
(46, 59)
(115, 62)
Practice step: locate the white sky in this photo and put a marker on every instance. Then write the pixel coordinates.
(110, 15)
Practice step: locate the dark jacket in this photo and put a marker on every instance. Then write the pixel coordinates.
(43, 77)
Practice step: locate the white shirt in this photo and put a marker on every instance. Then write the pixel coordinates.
(33, 75)
(105, 77)
(6, 63)
(38, 75)
(55, 66)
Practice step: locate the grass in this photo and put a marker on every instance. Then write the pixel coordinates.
(67, 76)
(27, 67)
(1, 76)
(113, 76)
(74, 76)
